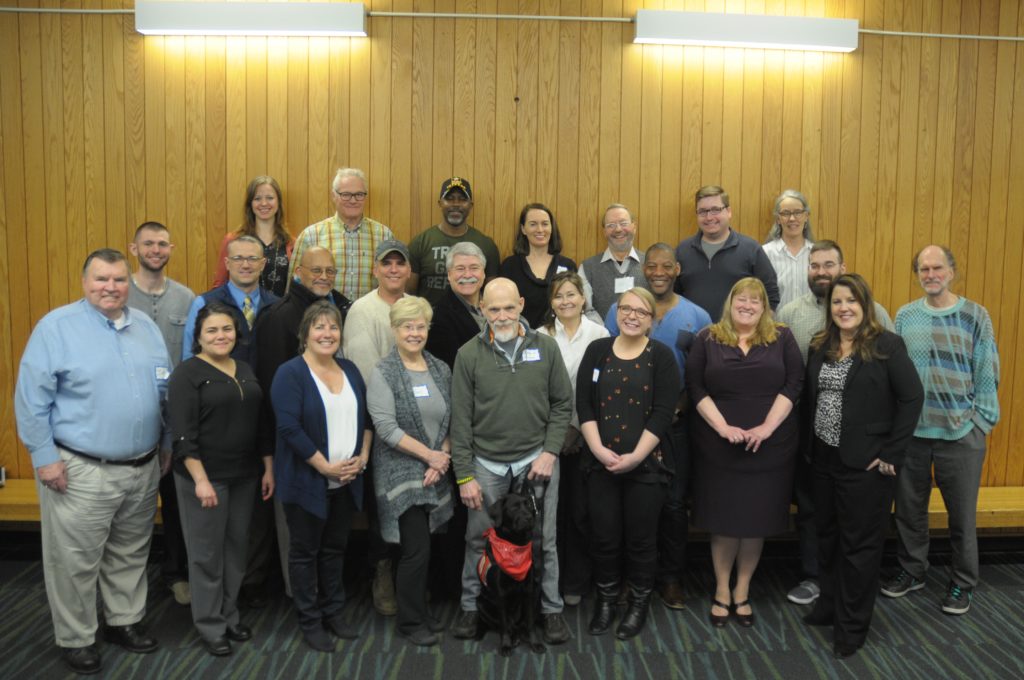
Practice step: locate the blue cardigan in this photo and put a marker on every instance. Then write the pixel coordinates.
(302, 431)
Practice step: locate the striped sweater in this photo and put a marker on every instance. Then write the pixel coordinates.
(954, 351)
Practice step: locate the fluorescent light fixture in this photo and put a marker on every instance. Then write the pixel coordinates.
(155, 17)
(746, 30)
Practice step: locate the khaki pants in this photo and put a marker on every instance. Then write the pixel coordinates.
(98, 531)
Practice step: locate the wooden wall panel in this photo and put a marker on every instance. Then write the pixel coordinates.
(903, 142)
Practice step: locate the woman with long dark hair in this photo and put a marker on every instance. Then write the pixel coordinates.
(863, 401)
(536, 259)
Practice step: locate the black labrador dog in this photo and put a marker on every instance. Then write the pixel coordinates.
(510, 599)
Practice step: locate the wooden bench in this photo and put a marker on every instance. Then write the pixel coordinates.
(999, 507)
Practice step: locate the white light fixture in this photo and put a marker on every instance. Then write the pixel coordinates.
(155, 17)
(746, 30)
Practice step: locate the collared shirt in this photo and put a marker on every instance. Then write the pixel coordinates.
(353, 251)
(572, 349)
(805, 316)
(237, 294)
(790, 269)
(621, 267)
(92, 384)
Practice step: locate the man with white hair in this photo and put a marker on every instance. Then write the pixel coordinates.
(457, 315)
(349, 234)
(517, 402)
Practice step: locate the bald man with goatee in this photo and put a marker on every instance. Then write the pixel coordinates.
(518, 403)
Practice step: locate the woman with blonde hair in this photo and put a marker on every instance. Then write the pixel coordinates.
(744, 374)
(264, 219)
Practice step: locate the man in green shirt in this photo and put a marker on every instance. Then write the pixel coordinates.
(430, 247)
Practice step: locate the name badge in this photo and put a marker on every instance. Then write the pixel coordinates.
(420, 391)
(161, 373)
(559, 269)
(623, 283)
(597, 374)
(532, 354)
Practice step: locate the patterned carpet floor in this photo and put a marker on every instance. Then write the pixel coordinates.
(910, 638)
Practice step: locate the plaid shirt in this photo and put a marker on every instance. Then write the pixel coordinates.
(353, 251)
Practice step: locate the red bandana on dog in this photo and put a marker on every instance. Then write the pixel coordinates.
(514, 560)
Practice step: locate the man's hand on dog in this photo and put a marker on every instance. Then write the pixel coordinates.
(543, 467)
(472, 496)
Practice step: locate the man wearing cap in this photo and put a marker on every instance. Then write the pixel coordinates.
(349, 234)
(367, 337)
(430, 247)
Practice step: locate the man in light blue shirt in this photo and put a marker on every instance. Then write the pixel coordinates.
(242, 293)
(88, 403)
(677, 322)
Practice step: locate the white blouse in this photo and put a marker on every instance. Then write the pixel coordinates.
(342, 422)
(572, 349)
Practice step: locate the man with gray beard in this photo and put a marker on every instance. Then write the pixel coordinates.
(516, 405)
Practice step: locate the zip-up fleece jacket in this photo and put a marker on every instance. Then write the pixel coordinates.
(505, 411)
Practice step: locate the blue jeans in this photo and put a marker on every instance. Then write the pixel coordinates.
(545, 554)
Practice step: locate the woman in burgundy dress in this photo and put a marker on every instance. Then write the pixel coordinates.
(744, 374)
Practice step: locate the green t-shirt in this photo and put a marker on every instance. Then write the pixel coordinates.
(429, 249)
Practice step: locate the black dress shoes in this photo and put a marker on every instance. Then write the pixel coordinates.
(217, 646)
(81, 660)
(239, 633)
(745, 620)
(131, 638)
(844, 651)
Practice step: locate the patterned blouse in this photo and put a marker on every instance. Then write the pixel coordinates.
(828, 415)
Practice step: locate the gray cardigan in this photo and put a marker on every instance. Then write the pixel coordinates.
(397, 476)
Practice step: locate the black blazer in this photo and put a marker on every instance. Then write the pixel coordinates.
(452, 327)
(882, 401)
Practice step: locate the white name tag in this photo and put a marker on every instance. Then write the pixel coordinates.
(559, 269)
(161, 373)
(420, 391)
(532, 354)
(597, 374)
(623, 283)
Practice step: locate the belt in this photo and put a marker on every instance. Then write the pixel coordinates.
(129, 462)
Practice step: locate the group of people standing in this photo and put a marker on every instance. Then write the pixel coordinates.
(345, 371)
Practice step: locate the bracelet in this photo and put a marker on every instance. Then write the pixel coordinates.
(464, 480)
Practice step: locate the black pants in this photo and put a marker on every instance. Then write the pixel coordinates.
(852, 509)
(174, 566)
(316, 557)
(624, 518)
(806, 530)
(673, 525)
(411, 583)
(262, 559)
(573, 535)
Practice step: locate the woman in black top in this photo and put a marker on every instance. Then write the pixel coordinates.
(213, 405)
(863, 401)
(626, 392)
(536, 260)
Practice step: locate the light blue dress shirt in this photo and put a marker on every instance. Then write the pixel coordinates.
(92, 385)
(237, 294)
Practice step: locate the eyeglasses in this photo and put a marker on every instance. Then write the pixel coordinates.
(704, 212)
(414, 327)
(351, 196)
(320, 271)
(786, 214)
(251, 259)
(622, 225)
(638, 312)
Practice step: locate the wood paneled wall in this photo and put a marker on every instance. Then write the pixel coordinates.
(904, 142)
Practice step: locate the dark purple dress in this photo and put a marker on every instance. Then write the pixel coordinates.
(736, 492)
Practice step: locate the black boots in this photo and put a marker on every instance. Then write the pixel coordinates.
(604, 608)
(636, 615)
